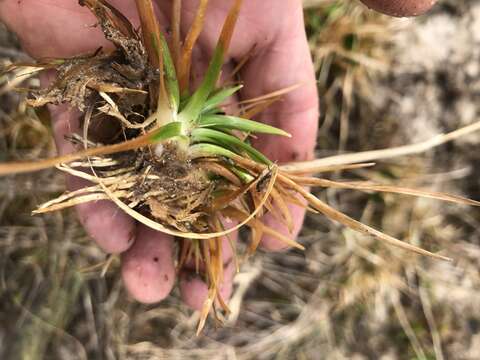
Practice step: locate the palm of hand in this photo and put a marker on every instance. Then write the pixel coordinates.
(272, 31)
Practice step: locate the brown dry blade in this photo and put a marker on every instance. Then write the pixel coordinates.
(290, 169)
(186, 55)
(272, 95)
(291, 199)
(340, 217)
(205, 256)
(274, 212)
(255, 199)
(239, 215)
(229, 26)
(284, 210)
(73, 202)
(222, 171)
(207, 306)
(229, 198)
(197, 254)
(113, 15)
(214, 267)
(185, 249)
(223, 304)
(251, 111)
(242, 62)
(221, 201)
(388, 153)
(30, 166)
(365, 186)
(150, 30)
(175, 46)
(113, 89)
(38, 66)
(257, 234)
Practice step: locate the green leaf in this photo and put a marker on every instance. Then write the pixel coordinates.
(242, 174)
(226, 140)
(196, 102)
(208, 150)
(194, 107)
(171, 80)
(236, 123)
(171, 75)
(167, 131)
(218, 97)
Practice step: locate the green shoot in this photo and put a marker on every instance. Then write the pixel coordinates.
(219, 96)
(194, 106)
(210, 150)
(230, 141)
(236, 123)
(168, 131)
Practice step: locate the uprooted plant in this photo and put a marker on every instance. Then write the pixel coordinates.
(177, 162)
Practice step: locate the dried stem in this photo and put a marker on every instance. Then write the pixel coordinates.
(186, 56)
(150, 30)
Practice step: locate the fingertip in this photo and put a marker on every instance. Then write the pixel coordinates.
(194, 290)
(148, 270)
(111, 228)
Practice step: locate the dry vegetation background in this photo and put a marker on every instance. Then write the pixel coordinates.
(383, 83)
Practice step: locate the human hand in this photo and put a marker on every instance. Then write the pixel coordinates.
(280, 58)
(400, 8)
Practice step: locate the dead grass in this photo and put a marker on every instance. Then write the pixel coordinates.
(346, 297)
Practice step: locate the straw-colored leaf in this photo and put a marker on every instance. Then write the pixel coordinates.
(219, 96)
(365, 186)
(340, 217)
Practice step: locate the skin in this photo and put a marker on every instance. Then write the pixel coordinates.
(279, 58)
(400, 8)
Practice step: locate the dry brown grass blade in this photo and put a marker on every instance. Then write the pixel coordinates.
(240, 215)
(30, 166)
(223, 200)
(176, 44)
(226, 199)
(365, 186)
(274, 212)
(203, 236)
(109, 88)
(375, 155)
(150, 30)
(325, 168)
(257, 234)
(250, 111)
(285, 211)
(291, 199)
(229, 26)
(192, 37)
(74, 202)
(242, 62)
(221, 171)
(207, 306)
(272, 95)
(35, 66)
(185, 253)
(340, 217)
